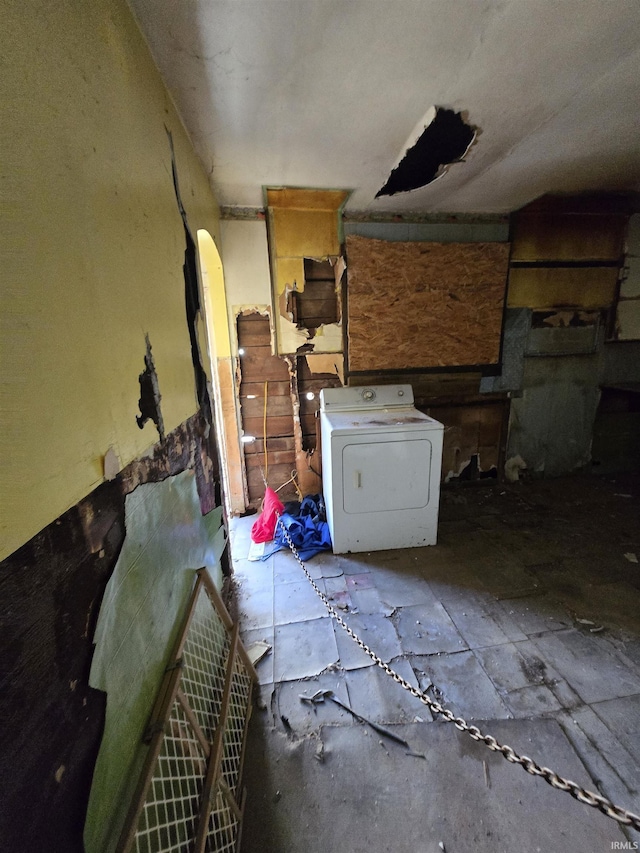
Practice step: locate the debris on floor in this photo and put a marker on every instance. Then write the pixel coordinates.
(257, 651)
(530, 627)
(321, 695)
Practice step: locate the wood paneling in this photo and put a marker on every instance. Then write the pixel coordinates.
(309, 382)
(426, 385)
(304, 233)
(557, 236)
(51, 589)
(277, 444)
(309, 199)
(257, 365)
(571, 228)
(551, 287)
(427, 305)
(316, 304)
(473, 438)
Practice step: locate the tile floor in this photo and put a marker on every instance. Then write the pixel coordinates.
(527, 609)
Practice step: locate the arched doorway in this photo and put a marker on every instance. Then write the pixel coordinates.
(215, 331)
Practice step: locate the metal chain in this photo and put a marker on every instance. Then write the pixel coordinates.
(589, 798)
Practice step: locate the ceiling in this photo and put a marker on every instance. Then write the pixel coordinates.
(329, 93)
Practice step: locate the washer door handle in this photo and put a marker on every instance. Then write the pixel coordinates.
(357, 479)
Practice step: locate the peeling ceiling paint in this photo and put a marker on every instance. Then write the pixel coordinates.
(443, 140)
(324, 93)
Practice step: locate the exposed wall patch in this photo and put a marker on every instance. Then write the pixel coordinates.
(149, 402)
(445, 139)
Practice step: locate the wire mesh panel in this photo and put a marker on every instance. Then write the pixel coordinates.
(233, 740)
(169, 816)
(204, 663)
(223, 826)
(186, 796)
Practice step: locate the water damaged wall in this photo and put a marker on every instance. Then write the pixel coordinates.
(108, 451)
(550, 338)
(566, 261)
(148, 526)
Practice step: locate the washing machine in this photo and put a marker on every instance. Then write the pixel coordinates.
(381, 462)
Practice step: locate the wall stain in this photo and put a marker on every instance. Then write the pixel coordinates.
(51, 590)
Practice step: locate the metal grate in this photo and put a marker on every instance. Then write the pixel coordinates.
(169, 817)
(186, 798)
(204, 663)
(235, 724)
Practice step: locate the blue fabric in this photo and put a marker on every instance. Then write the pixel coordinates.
(308, 529)
(308, 536)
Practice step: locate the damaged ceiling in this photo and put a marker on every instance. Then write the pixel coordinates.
(325, 93)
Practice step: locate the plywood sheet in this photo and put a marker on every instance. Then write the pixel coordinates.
(420, 305)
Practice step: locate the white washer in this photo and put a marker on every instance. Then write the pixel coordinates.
(381, 462)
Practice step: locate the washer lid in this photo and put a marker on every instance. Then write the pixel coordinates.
(374, 421)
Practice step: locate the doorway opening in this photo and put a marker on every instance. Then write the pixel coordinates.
(213, 333)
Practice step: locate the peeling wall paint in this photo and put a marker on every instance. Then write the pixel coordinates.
(93, 255)
(325, 363)
(149, 403)
(302, 224)
(328, 338)
(51, 590)
(93, 260)
(568, 332)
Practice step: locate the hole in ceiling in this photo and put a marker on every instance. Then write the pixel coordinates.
(445, 140)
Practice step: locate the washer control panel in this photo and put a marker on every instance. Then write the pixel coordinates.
(356, 398)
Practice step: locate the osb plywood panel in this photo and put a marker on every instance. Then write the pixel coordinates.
(414, 305)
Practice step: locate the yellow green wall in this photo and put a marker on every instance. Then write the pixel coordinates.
(304, 223)
(92, 253)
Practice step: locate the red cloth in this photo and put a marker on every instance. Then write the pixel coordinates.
(265, 524)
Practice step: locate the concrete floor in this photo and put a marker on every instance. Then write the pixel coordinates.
(525, 616)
